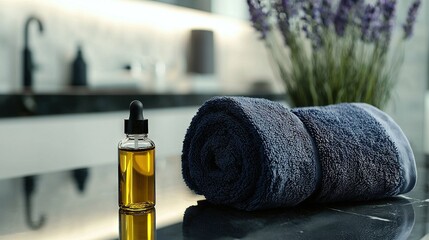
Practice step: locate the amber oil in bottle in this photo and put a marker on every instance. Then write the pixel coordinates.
(136, 164)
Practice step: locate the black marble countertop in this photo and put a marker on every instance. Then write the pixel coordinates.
(394, 218)
(72, 102)
(95, 214)
(402, 217)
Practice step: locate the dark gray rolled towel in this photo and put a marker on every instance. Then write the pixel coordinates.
(362, 152)
(256, 154)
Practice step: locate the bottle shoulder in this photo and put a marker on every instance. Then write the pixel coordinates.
(136, 144)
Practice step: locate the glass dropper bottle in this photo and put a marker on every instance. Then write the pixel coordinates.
(136, 166)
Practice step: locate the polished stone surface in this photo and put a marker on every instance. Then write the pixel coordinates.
(402, 217)
(393, 218)
(183, 215)
(85, 101)
(383, 219)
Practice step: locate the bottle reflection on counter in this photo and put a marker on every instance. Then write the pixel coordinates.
(137, 225)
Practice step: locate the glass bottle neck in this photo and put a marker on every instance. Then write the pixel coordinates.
(136, 136)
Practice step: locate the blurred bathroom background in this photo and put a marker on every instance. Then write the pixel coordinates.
(66, 135)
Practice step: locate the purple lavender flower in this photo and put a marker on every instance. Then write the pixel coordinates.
(283, 14)
(314, 17)
(259, 17)
(411, 19)
(387, 6)
(312, 22)
(326, 14)
(369, 24)
(283, 7)
(312, 10)
(285, 10)
(387, 9)
(367, 19)
(345, 13)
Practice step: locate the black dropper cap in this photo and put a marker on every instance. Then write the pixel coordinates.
(136, 124)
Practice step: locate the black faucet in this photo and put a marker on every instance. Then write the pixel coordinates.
(28, 105)
(27, 73)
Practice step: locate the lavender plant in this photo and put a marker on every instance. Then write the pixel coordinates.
(327, 53)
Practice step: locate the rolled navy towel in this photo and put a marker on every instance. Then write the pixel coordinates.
(252, 154)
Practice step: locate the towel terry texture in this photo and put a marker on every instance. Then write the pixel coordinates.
(252, 154)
